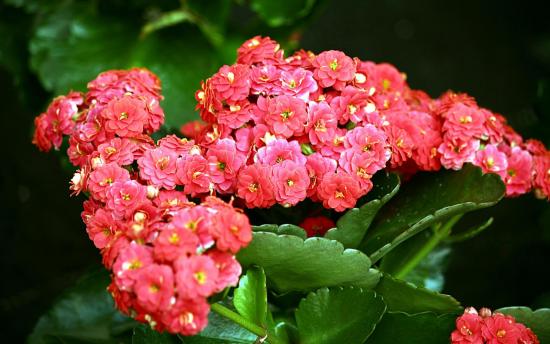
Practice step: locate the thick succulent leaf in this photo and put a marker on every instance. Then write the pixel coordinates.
(250, 298)
(420, 328)
(293, 264)
(282, 12)
(221, 331)
(352, 226)
(143, 334)
(85, 313)
(74, 43)
(338, 315)
(401, 296)
(282, 229)
(429, 199)
(538, 321)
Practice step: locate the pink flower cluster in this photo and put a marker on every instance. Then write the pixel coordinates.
(486, 327)
(167, 254)
(320, 126)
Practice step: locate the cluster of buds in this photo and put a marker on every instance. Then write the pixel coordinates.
(485, 327)
(167, 254)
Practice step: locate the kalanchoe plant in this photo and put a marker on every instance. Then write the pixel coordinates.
(338, 164)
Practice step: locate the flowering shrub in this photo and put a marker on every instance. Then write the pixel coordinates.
(166, 214)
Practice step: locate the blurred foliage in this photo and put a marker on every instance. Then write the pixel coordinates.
(498, 51)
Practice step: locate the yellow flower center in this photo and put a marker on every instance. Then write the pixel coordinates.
(200, 277)
(334, 64)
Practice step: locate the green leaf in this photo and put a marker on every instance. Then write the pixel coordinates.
(429, 199)
(250, 298)
(282, 229)
(538, 321)
(338, 315)
(143, 334)
(281, 12)
(74, 43)
(85, 313)
(401, 296)
(421, 328)
(352, 226)
(470, 233)
(293, 264)
(221, 331)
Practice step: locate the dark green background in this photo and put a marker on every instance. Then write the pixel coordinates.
(497, 51)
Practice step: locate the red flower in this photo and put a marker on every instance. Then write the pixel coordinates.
(255, 187)
(468, 329)
(339, 191)
(154, 287)
(231, 230)
(500, 329)
(231, 83)
(158, 166)
(317, 225)
(195, 276)
(126, 116)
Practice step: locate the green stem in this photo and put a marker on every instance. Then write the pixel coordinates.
(439, 234)
(241, 321)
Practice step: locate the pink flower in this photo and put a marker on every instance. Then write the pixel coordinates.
(401, 145)
(58, 120)
(231, 230)
(259, 50)
(500, 329)
(455, 152)
(124, 197)
(321, 122)
(193, 174)
(126, 116)
(195, 276)
(196, 220)
(231, 83)
(298, 83)
(265, 80)
(254, 186)
(179, 146)
(339, 191)
(464, 122)
(170, 199)
(236, 115)
(468, 330)
(154, 287)
(187, 316)
(491, 160)
(291, 181)
(101, 179)
(129, 261)
(102, 228)
(225, 162)
(285, 115)
(541, 168)
(117, 150)
(333, 68)
(527, 336)
(228, 267)
(352, 105)
(371, 143)
(279, 150)
(173, 243)
(317, 167)
(158, 166)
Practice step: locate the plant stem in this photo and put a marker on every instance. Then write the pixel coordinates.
(241, 321)
(439, 234)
